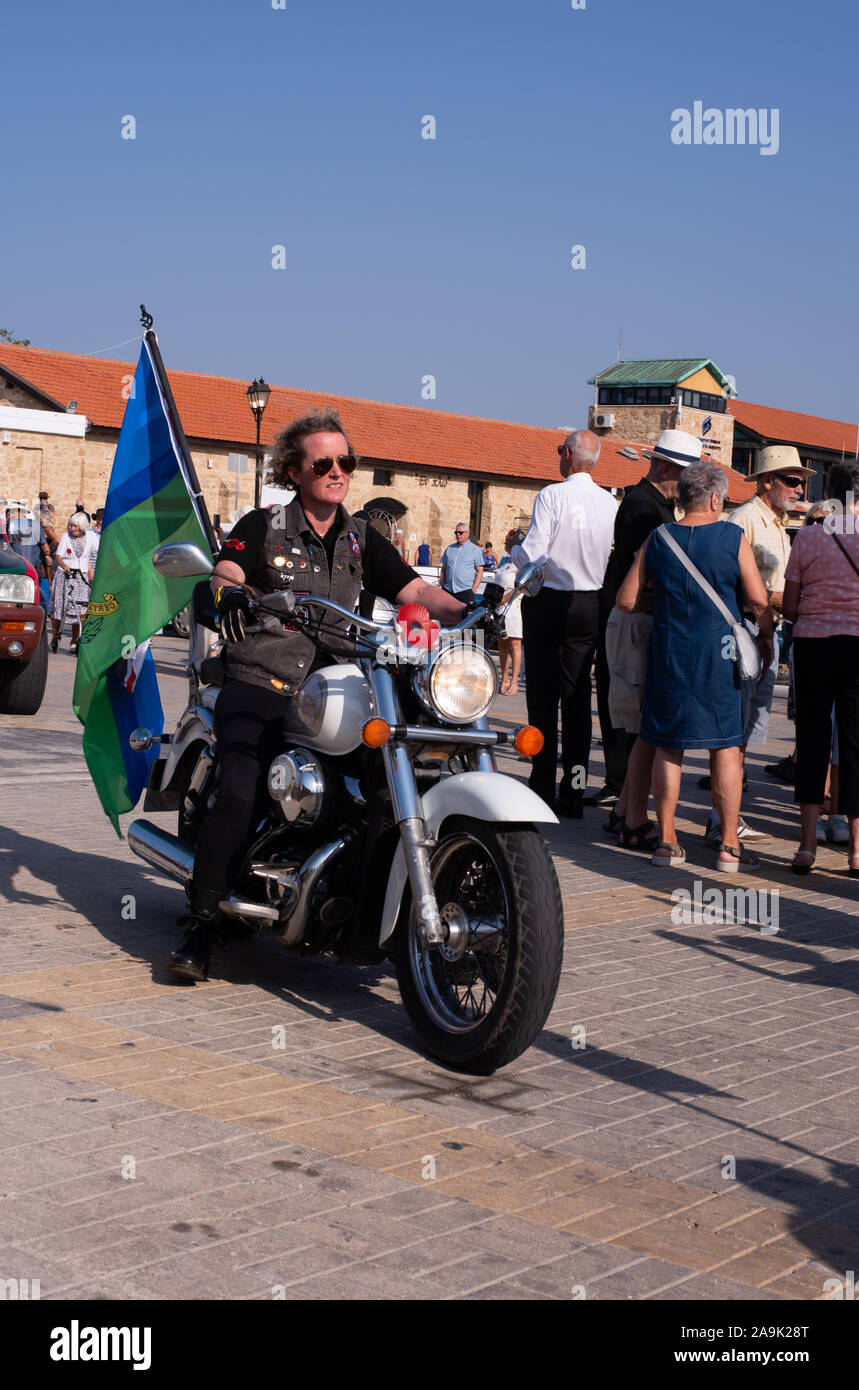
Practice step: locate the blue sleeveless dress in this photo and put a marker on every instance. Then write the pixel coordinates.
(692, 693)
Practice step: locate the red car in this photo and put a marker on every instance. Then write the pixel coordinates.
(23, 636)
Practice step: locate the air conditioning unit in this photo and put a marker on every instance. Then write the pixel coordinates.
(603, 422)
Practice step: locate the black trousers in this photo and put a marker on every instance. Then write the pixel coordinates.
(826, 672)
(560, 633)
(249, 730)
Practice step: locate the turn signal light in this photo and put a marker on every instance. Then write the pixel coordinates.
(528, 741)
(376, 733)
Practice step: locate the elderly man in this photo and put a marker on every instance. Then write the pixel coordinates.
(571, 532)
(780, 477)
(462, 566)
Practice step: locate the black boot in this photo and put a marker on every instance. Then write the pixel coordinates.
(202, 931)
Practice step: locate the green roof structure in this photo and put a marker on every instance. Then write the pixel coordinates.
(659, 372)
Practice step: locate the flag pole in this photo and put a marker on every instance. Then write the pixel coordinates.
(196, 491)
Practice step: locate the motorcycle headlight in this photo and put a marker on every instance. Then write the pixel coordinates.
(17, 588)
(461, 683)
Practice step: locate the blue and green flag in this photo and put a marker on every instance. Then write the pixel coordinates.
(149, 503)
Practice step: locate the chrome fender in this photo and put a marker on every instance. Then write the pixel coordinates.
(195, 726)
(489, 796)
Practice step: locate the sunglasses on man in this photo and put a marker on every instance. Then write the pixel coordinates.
(460, 531)
(347, 463)
(790, 481)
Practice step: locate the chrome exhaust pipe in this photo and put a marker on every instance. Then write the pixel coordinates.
(167, 854)
(305, 881)
(161, 849)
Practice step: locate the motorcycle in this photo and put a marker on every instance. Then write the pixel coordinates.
(390, 834)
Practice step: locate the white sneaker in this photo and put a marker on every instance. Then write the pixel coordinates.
(837, 831)
(820, 832)
(747, 836)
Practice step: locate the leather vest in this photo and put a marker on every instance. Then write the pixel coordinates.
(280, 658)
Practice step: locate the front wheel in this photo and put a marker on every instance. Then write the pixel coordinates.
(481, 999)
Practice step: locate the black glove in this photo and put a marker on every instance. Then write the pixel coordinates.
(234, 611)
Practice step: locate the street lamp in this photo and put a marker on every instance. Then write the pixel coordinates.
(258, 394)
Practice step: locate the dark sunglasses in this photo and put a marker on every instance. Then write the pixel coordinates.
(347, 462)
(460, 532)
(790, 481)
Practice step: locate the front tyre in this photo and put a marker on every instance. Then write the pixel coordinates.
(480, 1000)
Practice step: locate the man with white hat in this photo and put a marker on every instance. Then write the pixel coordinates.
(627, 635)
(780, 480)
(646, 505)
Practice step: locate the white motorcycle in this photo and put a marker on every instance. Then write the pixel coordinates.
(389, 833)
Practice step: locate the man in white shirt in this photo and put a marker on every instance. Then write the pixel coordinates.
(571, 533)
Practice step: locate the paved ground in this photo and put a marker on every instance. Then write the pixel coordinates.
(684, 1128)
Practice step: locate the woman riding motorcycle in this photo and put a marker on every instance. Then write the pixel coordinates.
(311, 546)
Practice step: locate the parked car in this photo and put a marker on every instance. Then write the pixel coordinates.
(23, 636)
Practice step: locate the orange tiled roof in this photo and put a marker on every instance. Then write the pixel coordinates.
(216, 408)
(790, 427)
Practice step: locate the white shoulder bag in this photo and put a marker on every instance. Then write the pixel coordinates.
(745, 650)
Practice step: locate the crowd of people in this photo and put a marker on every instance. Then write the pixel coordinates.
(674, 607)
(677, 608)
(64, 559)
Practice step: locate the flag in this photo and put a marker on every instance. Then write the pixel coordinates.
(150, 502)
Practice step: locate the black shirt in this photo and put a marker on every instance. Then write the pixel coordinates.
(641, 511)
(385, 573)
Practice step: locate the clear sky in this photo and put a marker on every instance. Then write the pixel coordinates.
(301, 127)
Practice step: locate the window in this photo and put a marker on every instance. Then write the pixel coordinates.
(381, 477)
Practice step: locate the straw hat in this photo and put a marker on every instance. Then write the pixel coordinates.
(780, 458)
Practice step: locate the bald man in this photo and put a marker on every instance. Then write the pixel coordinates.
(570, 537)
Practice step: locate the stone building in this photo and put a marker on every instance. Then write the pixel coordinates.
(60, 416)
(638, 400)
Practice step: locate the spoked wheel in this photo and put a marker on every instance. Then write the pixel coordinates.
(480, 1000)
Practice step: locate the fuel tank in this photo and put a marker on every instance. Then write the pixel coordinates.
(330, 709)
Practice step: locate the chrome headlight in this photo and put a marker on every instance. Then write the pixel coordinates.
(460, 683)
(17, 588)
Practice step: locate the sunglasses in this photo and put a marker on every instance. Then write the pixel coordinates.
(460, 533)
(790, 481)
(346, 462)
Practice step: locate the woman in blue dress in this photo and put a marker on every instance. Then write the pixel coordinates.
(692, 693)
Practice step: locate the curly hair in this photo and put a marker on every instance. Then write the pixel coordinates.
(289, 445)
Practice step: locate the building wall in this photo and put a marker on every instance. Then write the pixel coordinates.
(645, 423)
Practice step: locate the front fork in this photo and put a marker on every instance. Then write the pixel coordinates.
(408, 812)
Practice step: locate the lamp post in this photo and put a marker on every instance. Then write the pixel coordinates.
(258, 394)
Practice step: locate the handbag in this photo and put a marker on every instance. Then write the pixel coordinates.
(745, 649)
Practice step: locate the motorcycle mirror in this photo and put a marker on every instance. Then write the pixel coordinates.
(529, 580)
(181, 561)
(493, 595)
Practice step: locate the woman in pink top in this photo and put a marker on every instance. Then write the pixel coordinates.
(821, 597)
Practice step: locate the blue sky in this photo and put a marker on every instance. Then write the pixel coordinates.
(301, 127)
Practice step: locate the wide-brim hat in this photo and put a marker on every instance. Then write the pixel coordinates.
(675, 446)
(780, 458)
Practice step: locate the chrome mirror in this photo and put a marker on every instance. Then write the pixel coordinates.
(181, 561)
(529, 580)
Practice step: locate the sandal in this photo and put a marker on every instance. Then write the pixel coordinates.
(854, 866)
(803, 861)
(644, 838)
(675, 855)
(615, 824)
(738, 856)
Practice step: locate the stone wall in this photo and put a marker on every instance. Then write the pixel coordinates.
(645, 423)
(68, 468)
